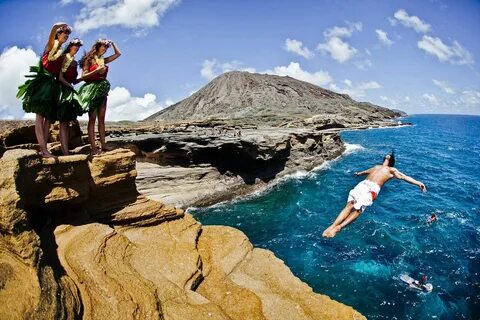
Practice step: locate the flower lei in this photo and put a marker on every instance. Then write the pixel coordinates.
(56, 51)
(67, 62)
(100, 61)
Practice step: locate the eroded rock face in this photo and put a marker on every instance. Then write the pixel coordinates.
(202, 167)
(78, 241)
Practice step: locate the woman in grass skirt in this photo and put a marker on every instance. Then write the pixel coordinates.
(93, 94)
(68, 107)
(40, 93)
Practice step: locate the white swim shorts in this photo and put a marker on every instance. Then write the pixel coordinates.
(363, 194)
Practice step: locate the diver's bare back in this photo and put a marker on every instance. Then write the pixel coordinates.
(380, 174)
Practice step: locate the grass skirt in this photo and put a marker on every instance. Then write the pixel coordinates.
(92, 95)
(69, 107)
(40, 93)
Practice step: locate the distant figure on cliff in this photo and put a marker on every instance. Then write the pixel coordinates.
(366, 192)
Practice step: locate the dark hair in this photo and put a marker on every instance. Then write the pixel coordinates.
(64, 29)
(87, 56)
(391, 161)
(71, 44)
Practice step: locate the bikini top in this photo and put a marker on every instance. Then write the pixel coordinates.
(98, 76)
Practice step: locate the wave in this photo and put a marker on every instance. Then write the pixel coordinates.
(351, 148)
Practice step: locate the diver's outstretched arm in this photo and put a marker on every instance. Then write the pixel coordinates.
(397, 174)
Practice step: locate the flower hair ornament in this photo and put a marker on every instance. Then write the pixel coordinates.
(65, 29)
(104, 42)
(76, 42)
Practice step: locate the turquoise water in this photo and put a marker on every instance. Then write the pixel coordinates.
(362, 264)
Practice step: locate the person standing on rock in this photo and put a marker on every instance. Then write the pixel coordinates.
(93, 94)
(367, 191)
(41, 93)
(68, 106)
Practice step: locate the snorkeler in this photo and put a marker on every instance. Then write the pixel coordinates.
(432, 218)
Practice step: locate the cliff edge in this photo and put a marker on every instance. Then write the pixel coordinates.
(79, 242)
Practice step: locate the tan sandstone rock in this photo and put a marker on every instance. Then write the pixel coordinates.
(79, 242)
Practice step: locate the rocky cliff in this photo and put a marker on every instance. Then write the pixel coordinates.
(195, 167)
(262, 99)
(77, 241)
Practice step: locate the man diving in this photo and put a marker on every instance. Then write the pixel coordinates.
(367, 191)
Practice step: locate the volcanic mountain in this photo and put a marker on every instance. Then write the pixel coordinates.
(246, 95)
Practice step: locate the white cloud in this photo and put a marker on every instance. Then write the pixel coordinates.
(431, 98)
(389, 101)
(470, 98)
(294, 70)
(410, 21)
(364, 64)
(338, 49)
(393, 22)
(295, 46)
(131, 14)
(14, 65)
(467, 101)
(355, 91)
(341, 32)
(444, 86)
(212, 68)
(335, 46)
(383, 37)
(455, 54)
(122, 106)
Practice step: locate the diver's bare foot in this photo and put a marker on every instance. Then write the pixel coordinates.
(324, 234)
(332, 232)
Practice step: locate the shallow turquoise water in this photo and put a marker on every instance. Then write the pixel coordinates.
(361, 266)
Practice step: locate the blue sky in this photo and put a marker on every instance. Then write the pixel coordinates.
(417, 56)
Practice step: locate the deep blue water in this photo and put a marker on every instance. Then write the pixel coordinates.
(361, 265)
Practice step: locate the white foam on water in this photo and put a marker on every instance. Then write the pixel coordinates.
(351, 148)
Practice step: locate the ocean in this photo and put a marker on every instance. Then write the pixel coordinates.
(361, 266)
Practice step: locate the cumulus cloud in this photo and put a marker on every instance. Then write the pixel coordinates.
(466, 101)
(355, 91)
(408, 21)
(431, 99)
(129, 14)
(337, 47)
(123, 106)
(455, 54)
(390, 102)
(296, 46)
(212, 68)
(383, 37)
(343, 32)
(294, 70)
(14, 65)
(470, 98)
(444, 86)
